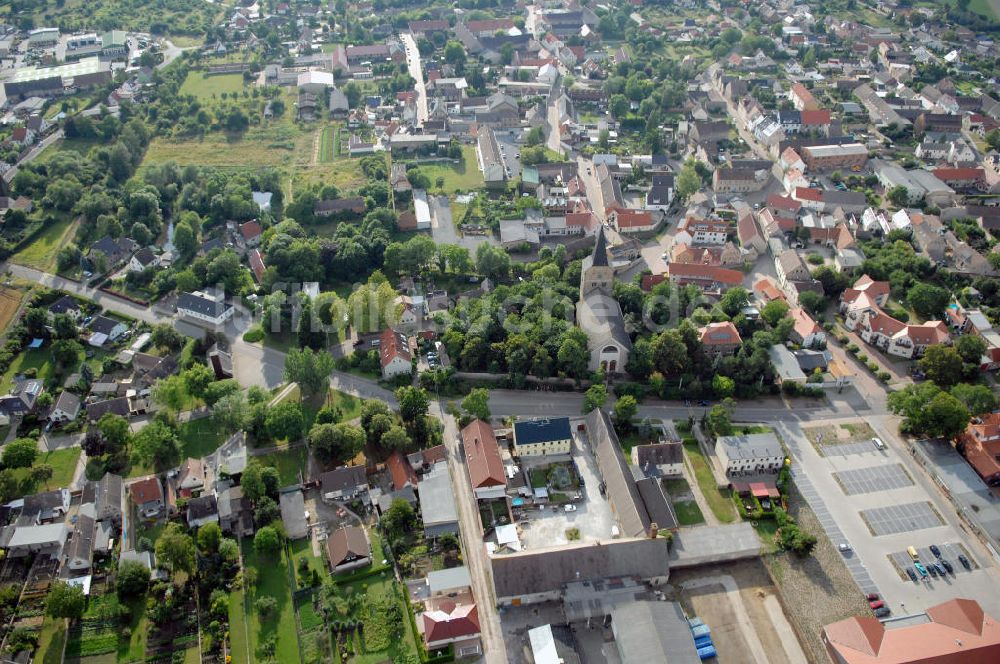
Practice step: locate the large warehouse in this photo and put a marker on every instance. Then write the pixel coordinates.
(39, 81)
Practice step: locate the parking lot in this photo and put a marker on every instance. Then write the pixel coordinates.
(873, 478)
(879, 502)
(903, 518)
(592, 517)
(949, 551)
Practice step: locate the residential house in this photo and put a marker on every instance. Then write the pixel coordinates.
(483, 461)
(106, 329)
(147, 496)
(65, 409)
(204, 307)
(67, 305)
(80, 550)
(143, 259)
(450, 623)
(631, 221)
(659, 459)
(348, 548)
(345, 484)
(22, 397)
(251, 232)
(542, 437)
(806, 332)
(708, 278)
(750, 454)
(394, 354)
(789, 267)
(114, 251)
(342, 206)
(719, 339)
(202, 510)
(235, 511)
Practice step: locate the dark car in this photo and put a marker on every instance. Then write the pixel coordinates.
(871, 597)
(948, 566)
(939, 569)
(882, 612)
(911, 574)
(965, 561)
(932, 570)
(936, 551)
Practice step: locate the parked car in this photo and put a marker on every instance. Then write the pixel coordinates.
(948, 566)
(878, 604)
(871, 597)
(965, 561)
(910, 573)
(844, 547)
(570, 508)
(878, 444)
(940, 569)
(921, 570)
(931, 570)
(936, 551)
(882, 612)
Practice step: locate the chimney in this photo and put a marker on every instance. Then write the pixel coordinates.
(653, 530)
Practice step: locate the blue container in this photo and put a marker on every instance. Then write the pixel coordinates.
(700, 630)
(706, 652)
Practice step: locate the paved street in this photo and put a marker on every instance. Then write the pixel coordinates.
(416, 71)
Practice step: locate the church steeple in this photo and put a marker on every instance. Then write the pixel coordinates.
(601, 249)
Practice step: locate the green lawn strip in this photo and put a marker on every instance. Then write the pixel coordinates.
(134, 649)
(63, 464)
(51, 641)
(272, 581)
(688, 513)
(41, 252)
(238, 628)
(200, 437)
(288, 463)
(720, 504)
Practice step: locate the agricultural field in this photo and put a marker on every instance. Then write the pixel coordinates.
(10, 301)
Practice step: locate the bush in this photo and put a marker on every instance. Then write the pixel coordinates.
(873, 367)
(884, 376)
(254, 334)
(852, 348)
(862, 358)
(266, 606)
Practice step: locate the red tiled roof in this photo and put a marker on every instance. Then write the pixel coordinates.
(815, 118)
(146, 491)
(583, 220)
(483, 456)
(767, 291)
(695, 271)
(959, 632)
(720, 334)
(401, 471)
(633, 219)
(808, 194)
(250, 230)
(392, 346)
(779, 202)
(257, 265)
(746, 229)
(651, 280)
(946, 174)
(450, 622)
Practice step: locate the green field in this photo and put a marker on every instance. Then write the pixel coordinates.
(41, 252)
(328, 144)
(302, 550)
(272, 581)
(172, 17)
(457, 177)
(208, 87)
(39, 359)
(720, 504)
(50, 641)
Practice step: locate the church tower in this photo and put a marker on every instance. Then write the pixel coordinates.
(597, 274)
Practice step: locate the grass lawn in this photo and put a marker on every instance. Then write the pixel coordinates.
(238, 629)
(348, 404)
(200, 437)
(327, 148)
(688, 513)
(288, 463)
(51, 641)
(41, 253)
(63, 464)
(457, 177)
(206, 87)
(134, 649)
(272, 581)
(302, 550)
(720, 504)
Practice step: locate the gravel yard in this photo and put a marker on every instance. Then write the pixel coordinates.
(816, 590)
